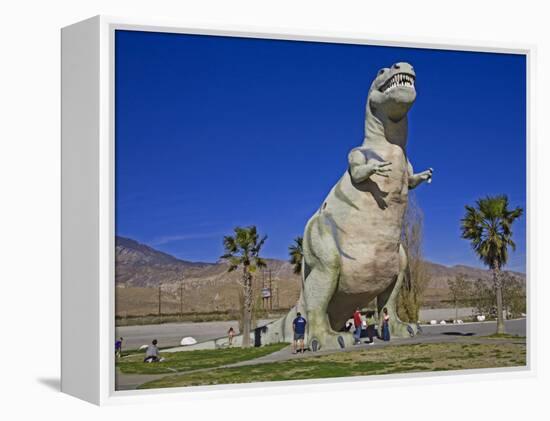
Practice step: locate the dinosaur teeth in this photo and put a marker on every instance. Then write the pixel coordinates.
(398, 80)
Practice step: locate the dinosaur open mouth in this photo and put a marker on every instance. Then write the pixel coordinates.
(398, 80)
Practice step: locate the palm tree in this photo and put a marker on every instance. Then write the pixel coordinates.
(243, 250)
(296, 253)
(489, 228)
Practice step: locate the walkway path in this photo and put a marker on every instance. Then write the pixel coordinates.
(431, 334)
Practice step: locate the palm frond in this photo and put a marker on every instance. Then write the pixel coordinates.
(488, 226)
(258, 246)
(230, 244)
(243, 249)
(296, 254)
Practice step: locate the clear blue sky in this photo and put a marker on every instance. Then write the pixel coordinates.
(214, 132)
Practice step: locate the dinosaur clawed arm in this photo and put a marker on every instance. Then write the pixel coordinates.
(361, 168)
(419, 178)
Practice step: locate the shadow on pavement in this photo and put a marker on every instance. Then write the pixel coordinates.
(459, 333)
(53, 383)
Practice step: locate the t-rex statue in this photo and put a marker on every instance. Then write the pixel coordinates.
(351, 246)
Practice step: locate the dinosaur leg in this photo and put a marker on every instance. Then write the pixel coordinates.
(388, 299)
(319, 289)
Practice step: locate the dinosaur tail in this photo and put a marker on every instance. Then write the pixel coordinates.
(279, 330)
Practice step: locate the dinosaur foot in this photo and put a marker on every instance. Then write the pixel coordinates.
(401, 329)
(330, 341)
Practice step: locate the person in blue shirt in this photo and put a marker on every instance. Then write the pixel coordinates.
(299, 328)
(118, 348)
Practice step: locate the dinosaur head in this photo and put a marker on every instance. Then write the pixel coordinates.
(392, 93)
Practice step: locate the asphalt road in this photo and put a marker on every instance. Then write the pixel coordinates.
(170, 334)
(513, 327)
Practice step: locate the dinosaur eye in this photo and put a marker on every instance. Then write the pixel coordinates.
(381, 72)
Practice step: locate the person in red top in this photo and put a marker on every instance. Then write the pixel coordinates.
(357, 322)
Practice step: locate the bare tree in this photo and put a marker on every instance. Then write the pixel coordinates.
(459, 291)
(513, 296)
(411, 294)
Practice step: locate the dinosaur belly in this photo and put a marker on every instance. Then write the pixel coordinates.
(369, 234)
(372, 271)
(363, 279)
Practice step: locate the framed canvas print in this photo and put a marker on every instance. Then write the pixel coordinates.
(245, 210)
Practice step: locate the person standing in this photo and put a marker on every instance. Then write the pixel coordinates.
(230, 334)
(299, 328)
(385, 325)
(118, 347)
(358, 323)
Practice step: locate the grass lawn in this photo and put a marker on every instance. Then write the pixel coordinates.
(371, 361)
(193, 360)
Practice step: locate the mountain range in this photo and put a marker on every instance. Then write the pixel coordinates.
(205, 287)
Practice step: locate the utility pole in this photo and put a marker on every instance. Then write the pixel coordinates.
(160, 305)
(264, 299)
(181, 299)
(270, 292)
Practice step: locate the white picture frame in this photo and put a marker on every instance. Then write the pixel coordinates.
(88, 209)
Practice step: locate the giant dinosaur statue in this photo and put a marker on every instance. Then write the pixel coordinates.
(352, 250)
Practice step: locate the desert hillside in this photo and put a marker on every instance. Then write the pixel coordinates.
(207, 287)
